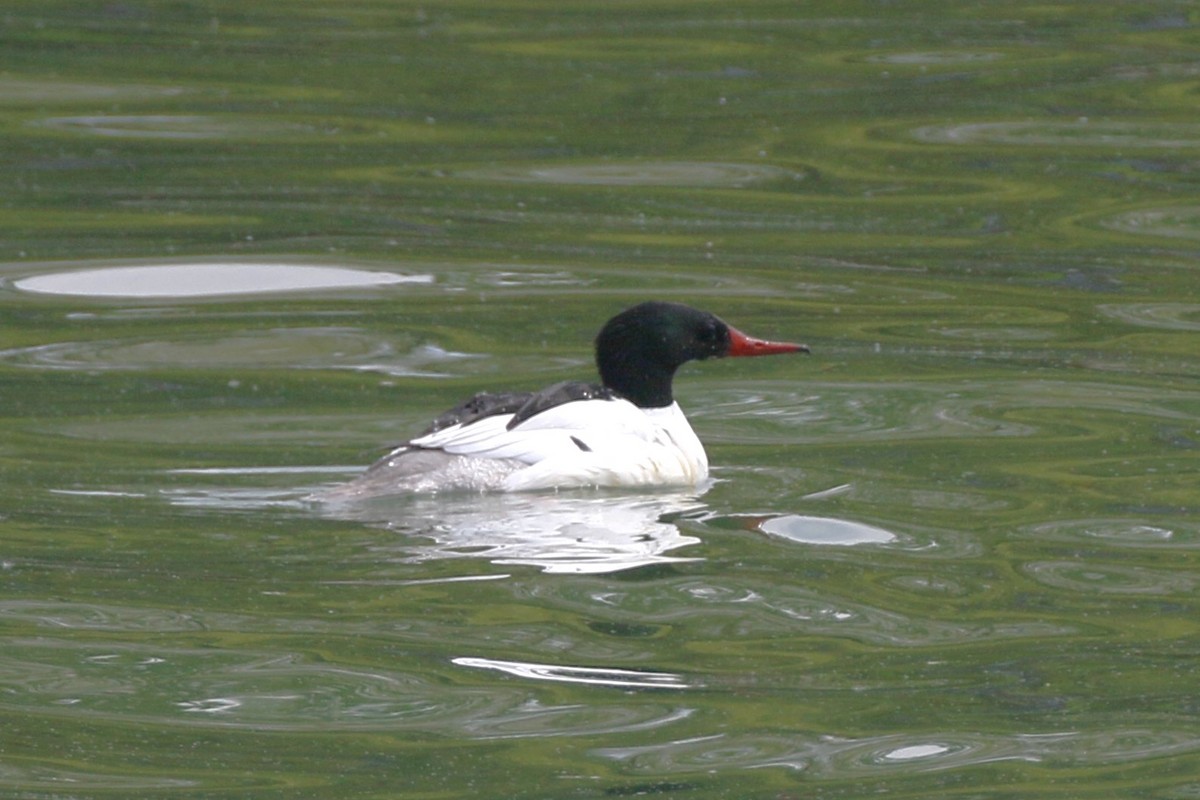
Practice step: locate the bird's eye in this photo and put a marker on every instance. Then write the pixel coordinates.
(710, 333)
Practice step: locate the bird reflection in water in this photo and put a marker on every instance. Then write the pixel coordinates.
(564, 532)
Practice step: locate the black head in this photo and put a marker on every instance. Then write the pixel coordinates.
(638, 351)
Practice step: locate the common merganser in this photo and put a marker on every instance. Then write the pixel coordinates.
(625, 431)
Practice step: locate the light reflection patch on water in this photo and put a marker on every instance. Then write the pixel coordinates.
(208, 279)
(510, 278)
(97, 493)
(824, 530)
(916, 751)
(210, 705)
(805, 529)
(637, 173)
(593, 676)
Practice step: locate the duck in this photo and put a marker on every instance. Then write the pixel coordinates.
(625, 431)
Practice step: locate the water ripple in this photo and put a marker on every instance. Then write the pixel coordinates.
(533, 719)
(1121, 532)
(212, 686)
(1181, 222)
(936, 57)
(180, 127)
(93, 616)
(1092, 578)
(1078, 133)
(737, 609)
(637, 173)
(1171, 316)
(15, 775)
(297, 348)
(42, 91)
(768, 412)
(833, 757)
(834, 412)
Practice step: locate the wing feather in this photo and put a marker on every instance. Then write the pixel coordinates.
(556, 431)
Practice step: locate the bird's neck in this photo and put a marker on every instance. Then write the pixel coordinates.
(643, 383)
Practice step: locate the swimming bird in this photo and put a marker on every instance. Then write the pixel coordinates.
(626, 430)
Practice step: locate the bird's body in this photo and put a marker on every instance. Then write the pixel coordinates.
(626, 431)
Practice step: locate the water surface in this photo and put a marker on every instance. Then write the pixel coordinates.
(953, 553)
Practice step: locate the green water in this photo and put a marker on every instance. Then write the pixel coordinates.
(952, 554)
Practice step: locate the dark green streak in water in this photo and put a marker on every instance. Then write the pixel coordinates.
(981, 216)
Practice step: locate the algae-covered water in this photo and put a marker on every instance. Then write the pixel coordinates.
(954, 553)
